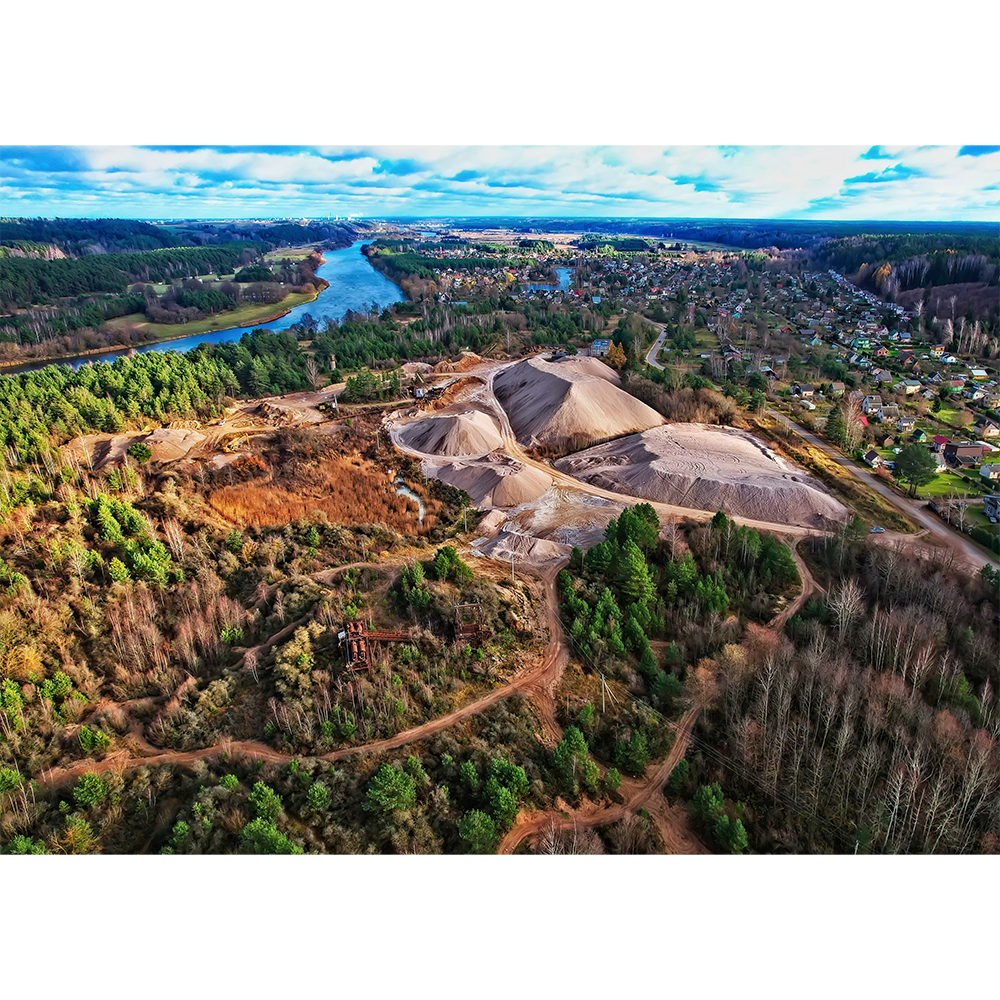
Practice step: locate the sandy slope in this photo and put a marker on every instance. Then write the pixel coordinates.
(561, 404)
(711, 468)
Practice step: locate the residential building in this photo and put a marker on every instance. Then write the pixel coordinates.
(599, 348)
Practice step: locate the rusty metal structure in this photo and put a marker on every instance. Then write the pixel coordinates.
(469, 622)
(358, 639)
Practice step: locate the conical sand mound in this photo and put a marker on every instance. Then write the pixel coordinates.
(472, 433)
(710, 468)
(557, 405)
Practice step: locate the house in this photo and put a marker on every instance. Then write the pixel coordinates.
(940, 440)
(904, 424)
(991, 506)
(937, 378)
(881, 375)
(873, 459)
(979, 374)
(929, 394)
(888, 412)
(990, 471)
(919, 435)
(974, 393)
(861, 343)
(963, 452)
(870, 404)
(837, 388)
(599, 348)
(986, 428)
(805, 391)
(937, 350)
(910, 386)
(880, 352)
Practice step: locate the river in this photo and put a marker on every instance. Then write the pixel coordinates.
(354, 285)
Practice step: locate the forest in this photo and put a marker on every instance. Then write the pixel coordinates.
(27, 281)
(43, 409)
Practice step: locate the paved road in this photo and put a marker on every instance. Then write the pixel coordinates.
(970, 553)
(967, 551)
(655, 349)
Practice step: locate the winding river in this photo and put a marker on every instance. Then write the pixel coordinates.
(354, 285)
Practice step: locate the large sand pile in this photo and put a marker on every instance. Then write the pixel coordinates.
(469, 433)
(558, 405)
(710, 468)
(497, 482)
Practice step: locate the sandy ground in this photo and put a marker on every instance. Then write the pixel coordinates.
(708, 467)
(558, 404)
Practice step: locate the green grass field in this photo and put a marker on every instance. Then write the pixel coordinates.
(245, 315)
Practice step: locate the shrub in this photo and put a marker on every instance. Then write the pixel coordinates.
(90, 790)
(265, 801)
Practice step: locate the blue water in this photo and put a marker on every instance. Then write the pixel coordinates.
(354, 285)
(564, 275)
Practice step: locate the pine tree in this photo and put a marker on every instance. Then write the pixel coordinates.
(634, 574)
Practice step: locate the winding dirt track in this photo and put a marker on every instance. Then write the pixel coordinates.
(673, 825)
(537, 682)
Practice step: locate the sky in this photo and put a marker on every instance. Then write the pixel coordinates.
(913, 183)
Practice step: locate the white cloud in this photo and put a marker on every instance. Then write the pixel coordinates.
(737, 182)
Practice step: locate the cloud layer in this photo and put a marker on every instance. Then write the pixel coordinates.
(834, 182)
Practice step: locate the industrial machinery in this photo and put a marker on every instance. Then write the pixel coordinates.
(469, 622)
(358, 639)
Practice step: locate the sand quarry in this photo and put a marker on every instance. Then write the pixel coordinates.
(536, 516)
(710, 468)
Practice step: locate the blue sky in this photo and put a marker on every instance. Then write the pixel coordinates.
(823, 182)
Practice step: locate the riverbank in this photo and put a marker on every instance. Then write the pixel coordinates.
(165, 332)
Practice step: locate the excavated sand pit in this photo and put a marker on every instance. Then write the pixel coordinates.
(469, 433)
(709, 468)
(563, 405)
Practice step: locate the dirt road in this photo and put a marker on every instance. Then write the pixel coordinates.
(674, 826)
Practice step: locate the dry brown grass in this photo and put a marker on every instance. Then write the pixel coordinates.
(347, 491)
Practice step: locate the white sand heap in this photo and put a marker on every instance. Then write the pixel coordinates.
(495, 482)
(559, 405)
(710, 468)
(469, 433)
